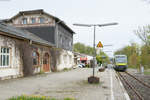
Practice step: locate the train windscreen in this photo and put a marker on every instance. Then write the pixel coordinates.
(121, 59)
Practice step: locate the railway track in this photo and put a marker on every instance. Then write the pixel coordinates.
(136, 88)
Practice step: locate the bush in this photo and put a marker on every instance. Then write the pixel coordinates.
(35, 97)
(69, 99)
(87, 65)
(32, 97)
(66, 69)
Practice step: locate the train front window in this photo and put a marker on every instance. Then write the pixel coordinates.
(121, 60)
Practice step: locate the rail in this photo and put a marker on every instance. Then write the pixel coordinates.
(145, 84)
(132, 87)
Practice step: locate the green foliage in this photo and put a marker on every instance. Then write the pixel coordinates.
(136, 55)
(102, 58)
(69, 99)
(66, 69)
(81, 48)
(35, 97)
(41, 72)
(32, 97)
(132, 52)
(145, 56)
(147, 72)
(144, 34)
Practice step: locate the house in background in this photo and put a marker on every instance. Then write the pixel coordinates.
(34, 41)
(80, 58)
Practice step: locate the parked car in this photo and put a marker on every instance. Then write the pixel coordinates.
(81, 65)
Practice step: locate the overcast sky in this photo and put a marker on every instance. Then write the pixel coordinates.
(128, 13)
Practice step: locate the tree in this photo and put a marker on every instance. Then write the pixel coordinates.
(144, 34)
(81, 48)
(102, 58)
(145, 56)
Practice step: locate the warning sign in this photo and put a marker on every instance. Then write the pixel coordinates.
(100, 45)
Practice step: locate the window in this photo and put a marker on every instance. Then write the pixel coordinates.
(35, 58)
(60, 39)
(65, 59)
(70, 43)
(70, 57)
(4, 57)
(33, 20)
(24, 21)
(42, 20)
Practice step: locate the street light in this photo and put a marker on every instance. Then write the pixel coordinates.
(90, 25)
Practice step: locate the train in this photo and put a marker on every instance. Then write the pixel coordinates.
(120, 63)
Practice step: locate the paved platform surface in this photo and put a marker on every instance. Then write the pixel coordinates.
(71, 84)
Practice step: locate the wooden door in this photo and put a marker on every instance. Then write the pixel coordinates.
(46, 62)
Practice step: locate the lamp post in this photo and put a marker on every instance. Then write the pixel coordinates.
(94, 25)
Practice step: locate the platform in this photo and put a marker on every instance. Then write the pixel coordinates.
(72, 84)
(115, 90)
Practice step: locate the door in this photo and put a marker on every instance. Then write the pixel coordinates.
(46, 63)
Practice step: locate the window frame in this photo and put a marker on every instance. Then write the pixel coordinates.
(41, 22)
(33, 18)
(2, 54)
(37, 58)
(23, 20)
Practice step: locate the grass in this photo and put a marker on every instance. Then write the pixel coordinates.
(66, 69)
(147, 72)
(69, 99)
(35, 97)
(32, 97)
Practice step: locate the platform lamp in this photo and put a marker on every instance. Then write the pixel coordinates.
(94, 25)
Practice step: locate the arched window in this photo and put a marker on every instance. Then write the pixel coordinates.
(35, 56)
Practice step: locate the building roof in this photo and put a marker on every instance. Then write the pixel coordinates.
(41, 11)
(22, 34)
(44, 32)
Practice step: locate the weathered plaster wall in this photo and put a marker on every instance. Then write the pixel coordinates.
(41, 51)
(65, 60)
(61, 59)
(16, 63)
(21, 63)
(26, 50)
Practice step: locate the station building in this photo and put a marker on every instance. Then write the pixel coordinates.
(33, 42)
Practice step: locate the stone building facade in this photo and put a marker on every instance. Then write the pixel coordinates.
(32, 42)
(44, 25)
(22, 53)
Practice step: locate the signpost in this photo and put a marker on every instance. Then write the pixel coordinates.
(94, 79)
(100, 45)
